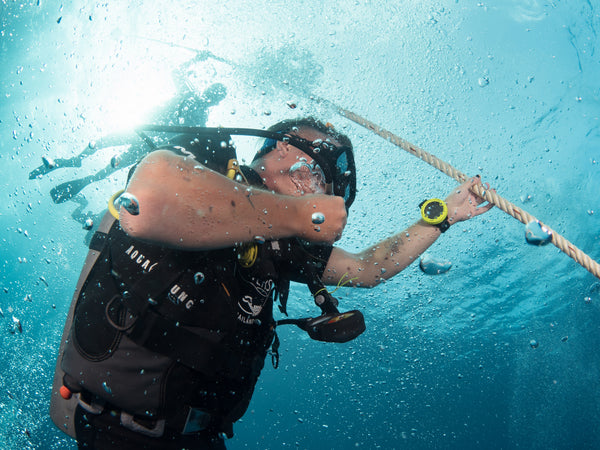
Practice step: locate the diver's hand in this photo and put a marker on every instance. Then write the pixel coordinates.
(464, 204)
(320, 218)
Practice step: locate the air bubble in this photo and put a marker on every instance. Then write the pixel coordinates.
(16, 325)
(593, 293)
(525, 198)
(130, 203)
(198, 277)
(318, 218)
(106, 387)
(537, 234)
(431, 266)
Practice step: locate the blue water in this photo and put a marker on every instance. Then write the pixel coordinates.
(506, 89)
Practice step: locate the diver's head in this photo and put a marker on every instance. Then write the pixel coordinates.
(215, 93)
(311, 157)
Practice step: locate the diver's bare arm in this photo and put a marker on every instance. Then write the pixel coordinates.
(185, 205)
(381, 261)
(392, 255)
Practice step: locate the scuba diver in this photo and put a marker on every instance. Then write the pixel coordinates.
(189, 107)
(172, 318)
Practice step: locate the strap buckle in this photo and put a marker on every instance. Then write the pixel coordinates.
(129, 422)
(197, 420)
(94, 407)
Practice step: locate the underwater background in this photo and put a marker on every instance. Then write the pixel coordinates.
(500, 352)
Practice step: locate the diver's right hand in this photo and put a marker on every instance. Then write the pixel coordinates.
(320, 218)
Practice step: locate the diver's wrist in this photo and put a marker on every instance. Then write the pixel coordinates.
(434, 212)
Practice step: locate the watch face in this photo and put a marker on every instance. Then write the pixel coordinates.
(434, 211)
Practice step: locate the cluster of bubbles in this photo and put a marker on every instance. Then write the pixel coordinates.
(15, 325)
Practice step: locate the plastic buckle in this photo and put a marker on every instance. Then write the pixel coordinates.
(128, 421)
(197, 420)
(93, 407)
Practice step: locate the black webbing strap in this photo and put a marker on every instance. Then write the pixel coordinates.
(321, 295)
(165, 336)
(98, 241)
(100, 237)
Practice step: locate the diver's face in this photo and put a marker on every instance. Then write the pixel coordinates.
(288, 170)
(305, 174)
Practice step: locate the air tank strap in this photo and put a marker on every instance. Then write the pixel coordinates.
(202, 351)
(152, 330)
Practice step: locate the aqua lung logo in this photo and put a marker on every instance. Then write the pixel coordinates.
(140, 259)
(180, 297)
(249, 307)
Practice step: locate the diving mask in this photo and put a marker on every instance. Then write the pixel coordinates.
(308, 177)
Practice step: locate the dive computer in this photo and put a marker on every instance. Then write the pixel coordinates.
(435, 212)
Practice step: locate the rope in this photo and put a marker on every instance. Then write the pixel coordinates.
(518, 213)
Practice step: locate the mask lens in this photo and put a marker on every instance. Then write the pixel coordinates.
(345, 177)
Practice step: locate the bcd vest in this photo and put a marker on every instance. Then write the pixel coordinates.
(158, 331)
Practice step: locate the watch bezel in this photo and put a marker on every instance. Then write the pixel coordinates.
(436, 220)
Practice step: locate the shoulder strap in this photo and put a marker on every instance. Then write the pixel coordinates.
(200, 349)
(294, 250)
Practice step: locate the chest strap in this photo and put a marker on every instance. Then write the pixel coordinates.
(200, 349)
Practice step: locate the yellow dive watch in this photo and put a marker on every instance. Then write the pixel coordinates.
(435, 212)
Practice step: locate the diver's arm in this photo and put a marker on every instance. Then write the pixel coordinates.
(185, 205)
(387, 258)
(392, 255)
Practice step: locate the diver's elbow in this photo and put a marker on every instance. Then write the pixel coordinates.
(132, 226)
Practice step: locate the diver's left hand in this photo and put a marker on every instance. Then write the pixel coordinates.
(463, 204)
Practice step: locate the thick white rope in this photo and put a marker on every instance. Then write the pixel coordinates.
(518, 213)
